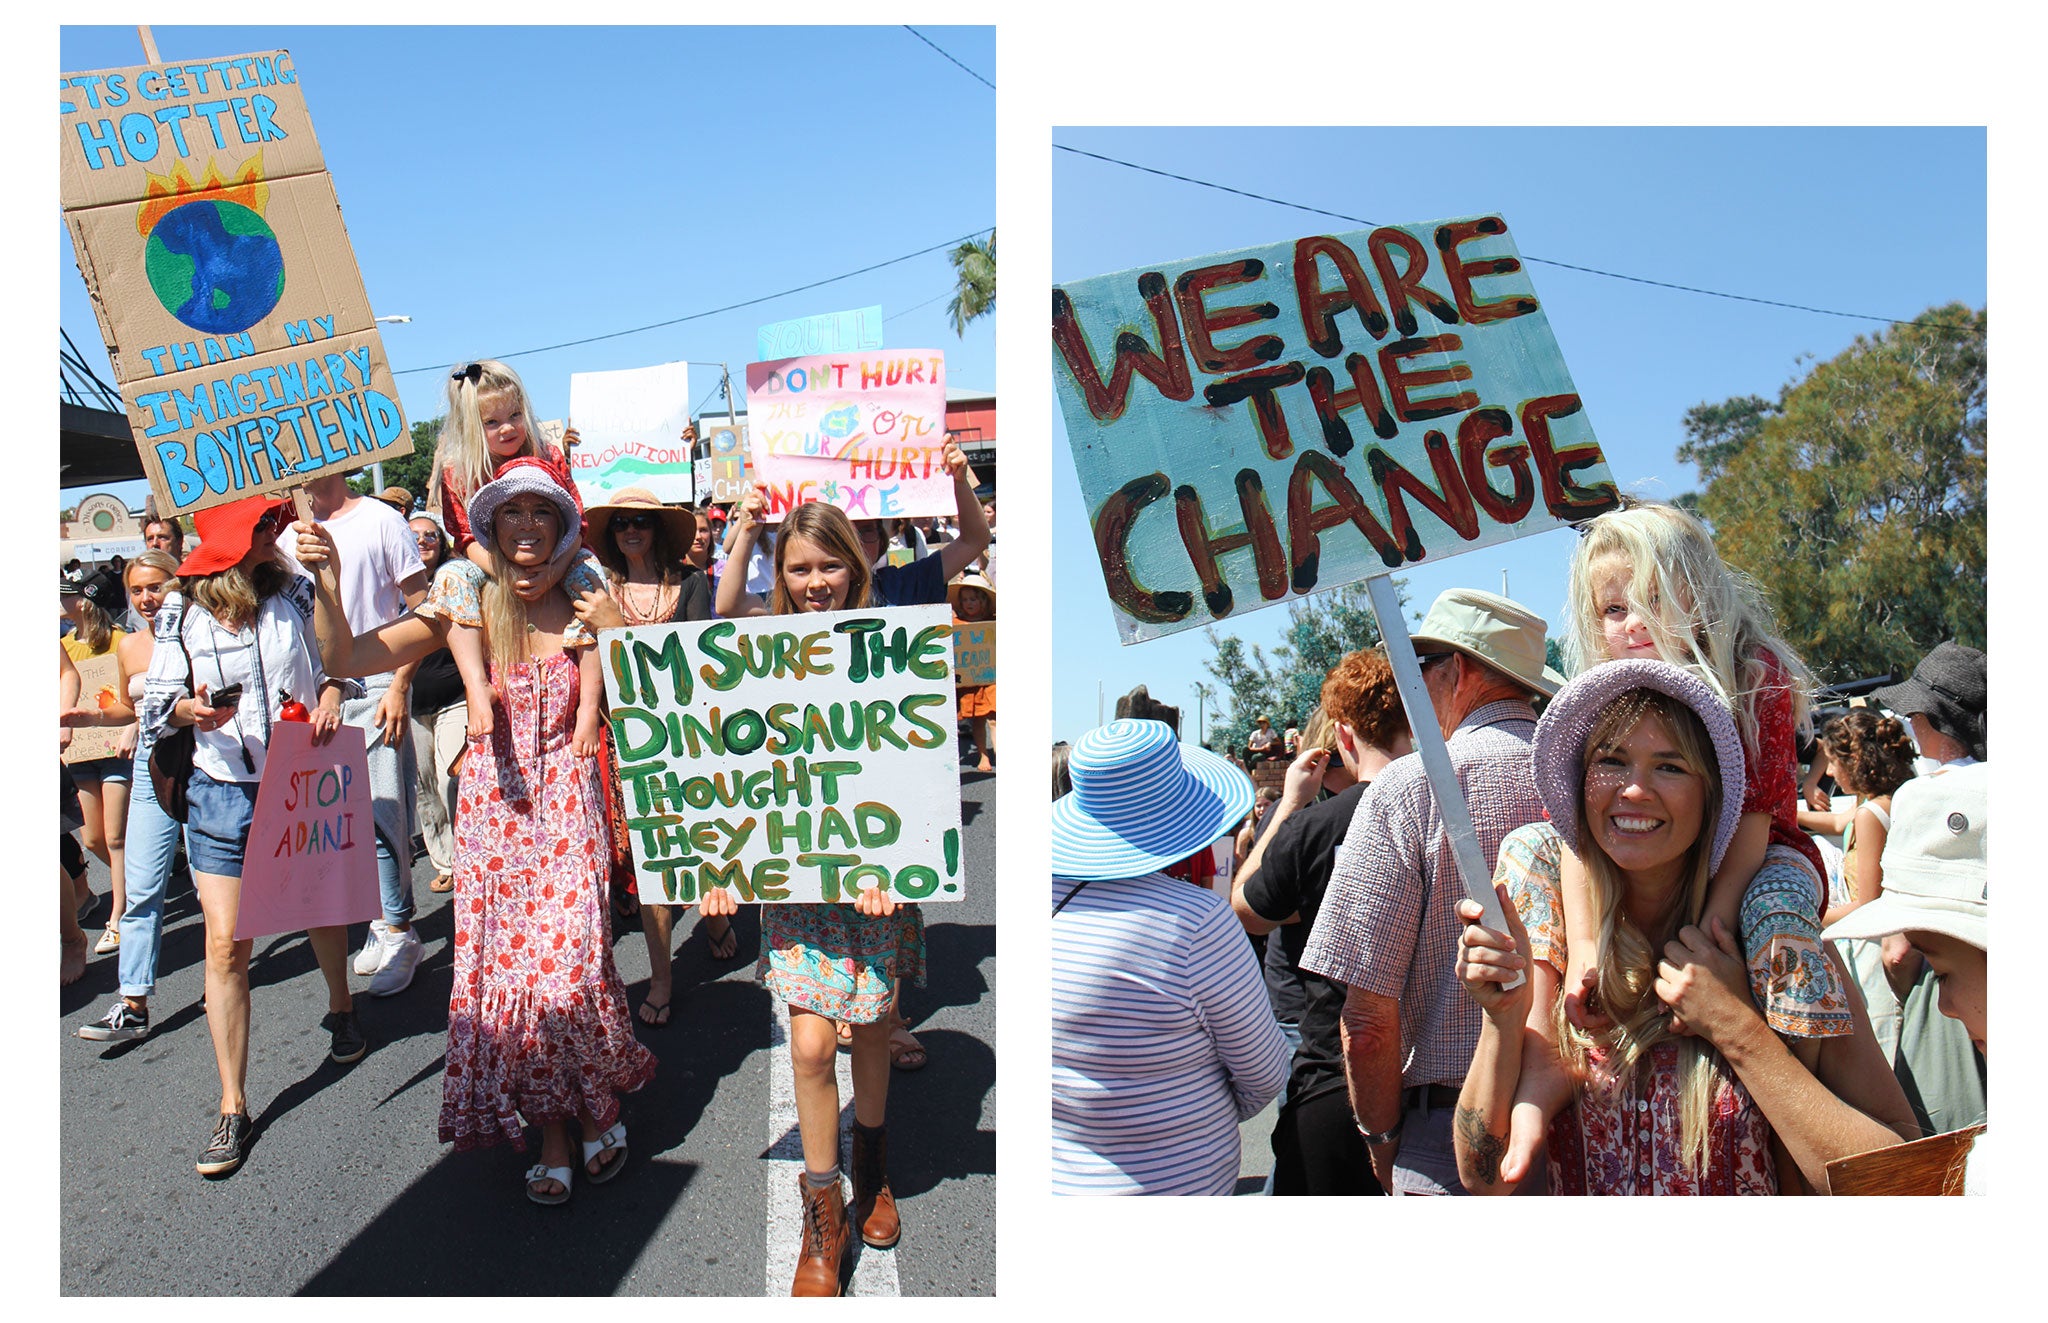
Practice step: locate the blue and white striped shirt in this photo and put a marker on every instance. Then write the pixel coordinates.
(1162, 1039)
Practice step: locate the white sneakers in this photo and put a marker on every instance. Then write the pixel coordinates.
(389, 958)
(371, 958)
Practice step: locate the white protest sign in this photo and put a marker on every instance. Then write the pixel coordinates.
(794, 758)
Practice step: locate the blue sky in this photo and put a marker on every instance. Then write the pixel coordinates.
(1880, 221)
(510, 188)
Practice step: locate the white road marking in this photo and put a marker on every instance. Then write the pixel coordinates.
(874, 1271)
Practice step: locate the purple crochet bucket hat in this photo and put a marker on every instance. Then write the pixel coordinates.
(523, 476)
(1559, 758)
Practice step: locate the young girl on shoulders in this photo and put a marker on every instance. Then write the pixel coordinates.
(1647, 582)
(489, 424)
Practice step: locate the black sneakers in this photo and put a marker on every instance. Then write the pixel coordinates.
(118, 1025)
(349, 1044)
(223, 1153)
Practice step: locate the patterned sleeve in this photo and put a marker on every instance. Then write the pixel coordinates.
(457, 593)
(1774, 752)
(1225, 981)
(583, 576)
(455, 517)
(1531, 864)
(168, 676)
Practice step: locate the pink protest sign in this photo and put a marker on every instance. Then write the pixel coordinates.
(864, 431)
(312, 853)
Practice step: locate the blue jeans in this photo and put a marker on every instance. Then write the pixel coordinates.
(394, 886)
(152, 846)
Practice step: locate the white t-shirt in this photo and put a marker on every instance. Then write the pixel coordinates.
(377, 553)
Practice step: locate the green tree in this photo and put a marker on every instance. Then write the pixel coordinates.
(414, 472)
(974, 267)
(1321, 629)
(1857, 500)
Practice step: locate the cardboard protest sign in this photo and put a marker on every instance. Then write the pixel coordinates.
(974, 653)
(99, 680)
(864, 432)
(700, 477)
(312, 854)
(211, 242)
(1260, 424)
(732, 467)
(629, 428)
(827, 333)
(795, 758)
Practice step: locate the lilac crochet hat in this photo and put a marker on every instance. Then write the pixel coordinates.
(1559, 758)
(522, 477)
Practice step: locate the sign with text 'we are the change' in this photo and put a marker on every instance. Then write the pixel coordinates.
(207, 229)
(795, 758)
(864, 431)
(629, 428)
(1260, 424)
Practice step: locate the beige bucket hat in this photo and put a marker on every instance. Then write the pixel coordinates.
(1492, 629)
(680, 524)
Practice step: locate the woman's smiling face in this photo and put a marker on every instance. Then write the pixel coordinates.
(526, 529)
(1645, 803)
(816, 579)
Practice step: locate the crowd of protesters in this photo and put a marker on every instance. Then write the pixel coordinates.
(1680, 990)
(460, 638)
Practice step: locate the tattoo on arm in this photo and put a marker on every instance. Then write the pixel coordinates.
(1487, 1148)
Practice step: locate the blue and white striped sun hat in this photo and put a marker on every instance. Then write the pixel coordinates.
(1142, 800)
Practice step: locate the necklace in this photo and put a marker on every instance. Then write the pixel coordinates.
(641, 610)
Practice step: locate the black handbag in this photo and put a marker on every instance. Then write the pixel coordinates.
(170, 758)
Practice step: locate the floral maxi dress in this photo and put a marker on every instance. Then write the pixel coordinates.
(537, 1022)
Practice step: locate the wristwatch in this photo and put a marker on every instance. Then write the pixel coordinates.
(1385, 1137)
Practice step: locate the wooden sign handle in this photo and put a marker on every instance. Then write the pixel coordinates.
(1473, 871)
(149, 54)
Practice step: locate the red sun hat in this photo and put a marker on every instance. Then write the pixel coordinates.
(227, 531)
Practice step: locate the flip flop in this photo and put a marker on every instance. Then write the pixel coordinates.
(539, 1172)
(612, 1139)
(905, 1052)
(724, 945)
(845, 1032)
(442, 883)
(660, 1009)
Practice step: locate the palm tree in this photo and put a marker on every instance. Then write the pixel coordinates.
(975, 295)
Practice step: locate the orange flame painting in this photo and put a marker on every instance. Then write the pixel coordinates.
(164, 192)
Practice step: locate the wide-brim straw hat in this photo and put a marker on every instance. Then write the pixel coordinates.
(970, 579)
(1492, 629)
(679, 524)
(1559, 759)
(524, 476)
(1936, 877)
(1142, 800)
(226, 532)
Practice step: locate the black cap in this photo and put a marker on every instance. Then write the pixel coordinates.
(1948, 686)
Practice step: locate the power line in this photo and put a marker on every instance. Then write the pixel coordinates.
(915, 306)
(941, 50)
(713, 312)
(1546, 261)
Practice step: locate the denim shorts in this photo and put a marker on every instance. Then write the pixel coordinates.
(104, 769)
(217, 823)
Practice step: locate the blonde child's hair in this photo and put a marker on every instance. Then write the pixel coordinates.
(1703, 614)
(462, 456)
(1627, 960)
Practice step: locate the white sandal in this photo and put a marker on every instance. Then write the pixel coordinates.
(540, 1171)
(614, 1138)
(110, 941)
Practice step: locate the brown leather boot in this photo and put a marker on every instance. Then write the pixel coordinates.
(821, 1266)
(874, 1208)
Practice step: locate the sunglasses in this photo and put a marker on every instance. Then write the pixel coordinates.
(472, 372)
(620, 523)
(271, 522)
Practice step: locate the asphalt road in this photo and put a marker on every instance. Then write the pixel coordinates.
(346, 1190)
